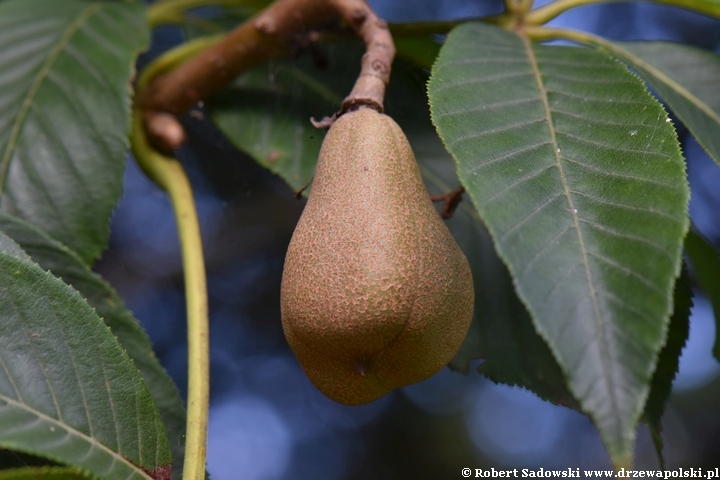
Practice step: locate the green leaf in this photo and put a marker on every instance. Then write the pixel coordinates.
(63, 263)
(64, 113)
(578, 175)
(13, 459)
(43, 473)
(68, 392)
(422, 51)
(705, 261)
(226, 18)
(668, 361)
(686, 78)
(502, 333)
(267, 112)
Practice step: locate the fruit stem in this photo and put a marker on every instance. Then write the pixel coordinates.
(169, 175)
(376, 64)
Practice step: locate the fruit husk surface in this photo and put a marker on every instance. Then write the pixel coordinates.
(376, 294)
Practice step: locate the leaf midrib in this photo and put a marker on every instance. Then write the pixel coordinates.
(75, 432)
(607, 370)
(42, 74)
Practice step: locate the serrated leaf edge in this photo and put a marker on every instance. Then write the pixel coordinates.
(72, 291)
(42, 74)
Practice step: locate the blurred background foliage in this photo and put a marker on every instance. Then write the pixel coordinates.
(268, 422)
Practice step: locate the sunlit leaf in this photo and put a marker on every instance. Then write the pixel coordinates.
(578, 175)
(686, 78)
(65, 264)
(68, 392)
(65, 71)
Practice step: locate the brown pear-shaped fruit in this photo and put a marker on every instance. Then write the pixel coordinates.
(376, 294)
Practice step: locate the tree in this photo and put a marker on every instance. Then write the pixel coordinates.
(573, 212)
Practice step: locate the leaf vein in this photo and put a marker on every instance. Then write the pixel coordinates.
(74, 367)
(628, 236)
(603, 100)
(491, 131)
(622, 175)
(84, 437)
(630, 207)
(477, 80)
(600, 121)
(540, 251)
(491, 106)
(604, 349)
(614, 298)
(520, 181)
(55, 138)
(644, 280)
(42, 188)
(607, 146)
(505, 156)
(535, 211)
(88, 12)
(555, 285)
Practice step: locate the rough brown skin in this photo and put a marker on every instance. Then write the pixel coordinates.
(376, 294)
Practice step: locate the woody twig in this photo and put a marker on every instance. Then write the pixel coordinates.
(268, 34)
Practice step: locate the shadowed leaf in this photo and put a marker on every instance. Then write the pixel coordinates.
(668, 361)
(705, 261)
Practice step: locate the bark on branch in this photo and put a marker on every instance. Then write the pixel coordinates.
(270, 34)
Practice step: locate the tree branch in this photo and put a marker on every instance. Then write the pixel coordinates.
(256, 40)
(269, 34)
